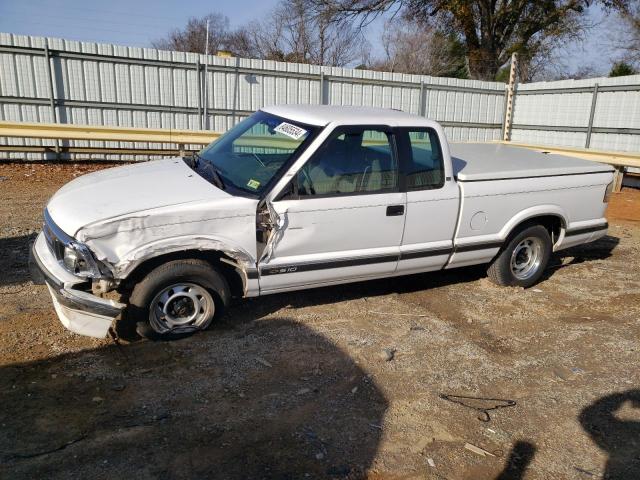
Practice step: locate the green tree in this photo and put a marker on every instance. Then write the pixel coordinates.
(620, 69)
(503, 74)
(490, 29)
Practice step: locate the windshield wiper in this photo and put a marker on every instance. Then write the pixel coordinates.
(192, 160)
(196, 162)
(217, 178)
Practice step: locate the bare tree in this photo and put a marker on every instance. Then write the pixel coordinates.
(545, 60)
(242, 43)
(491, 29)
(337, 44)
(192, 38)
(290, 33)
(627, 39)
(411, 47)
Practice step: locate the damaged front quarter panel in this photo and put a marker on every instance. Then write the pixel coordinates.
(124, 243)
(177, 244)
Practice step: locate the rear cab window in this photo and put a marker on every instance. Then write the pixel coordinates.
(421, 157)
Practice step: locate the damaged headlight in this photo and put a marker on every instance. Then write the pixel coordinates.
(78, 260)
(75, 257)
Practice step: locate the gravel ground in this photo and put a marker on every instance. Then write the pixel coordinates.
(341, 382)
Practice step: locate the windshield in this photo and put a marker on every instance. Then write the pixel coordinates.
(249, 156)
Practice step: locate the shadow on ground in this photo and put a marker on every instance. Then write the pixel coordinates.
(248, 399)
(271, 401)
(598, 250)
(518, 461)
(601, 249)
(250, 309)
(618, 437)
(14, 257)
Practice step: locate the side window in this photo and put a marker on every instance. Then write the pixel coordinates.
(424, 166)
(350, 163)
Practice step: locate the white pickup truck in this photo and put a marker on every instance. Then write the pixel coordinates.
(297, 197)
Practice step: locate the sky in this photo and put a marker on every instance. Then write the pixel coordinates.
(139, 22)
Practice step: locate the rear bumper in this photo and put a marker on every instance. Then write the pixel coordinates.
(78, 310)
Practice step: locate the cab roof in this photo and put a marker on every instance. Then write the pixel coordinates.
(322, 115)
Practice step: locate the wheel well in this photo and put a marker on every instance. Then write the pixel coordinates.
(232, 274)
(553, 223)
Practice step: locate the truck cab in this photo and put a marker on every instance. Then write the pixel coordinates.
(300, 196)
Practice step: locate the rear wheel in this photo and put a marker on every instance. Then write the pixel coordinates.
(523, 259)
(178, 298)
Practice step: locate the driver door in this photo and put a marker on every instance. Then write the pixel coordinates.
(344, 219)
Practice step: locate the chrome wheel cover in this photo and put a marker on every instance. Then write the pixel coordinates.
(526, 258)
(181, 307)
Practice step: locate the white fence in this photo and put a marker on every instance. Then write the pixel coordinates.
(598, 113)
(56, 80)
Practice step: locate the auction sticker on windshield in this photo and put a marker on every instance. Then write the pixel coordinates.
(290, 130)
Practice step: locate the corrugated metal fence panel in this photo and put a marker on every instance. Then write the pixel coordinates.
(561, 116)
(466, 107)
(618, 110)
(140, 87)
(454, 106)
(23, 76)
(116, 85)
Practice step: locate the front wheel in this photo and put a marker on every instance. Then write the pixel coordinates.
(178, 298)
(523, 260)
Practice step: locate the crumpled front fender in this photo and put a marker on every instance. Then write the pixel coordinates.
(140, 254)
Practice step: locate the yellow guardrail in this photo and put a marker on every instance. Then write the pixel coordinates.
(102, 133)
(182, 138)
(53, 131)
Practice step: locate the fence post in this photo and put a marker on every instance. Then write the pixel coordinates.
(508, 118)
(199, 87)
(205, 95)
(52, 98)
(594, 100)
(423, 100)
(236, 93)
(322, 80)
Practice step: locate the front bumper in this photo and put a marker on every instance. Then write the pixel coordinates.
(78, 310)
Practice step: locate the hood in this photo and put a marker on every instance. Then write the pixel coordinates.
(102, 195)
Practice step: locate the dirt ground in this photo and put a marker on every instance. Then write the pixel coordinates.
(341, 382)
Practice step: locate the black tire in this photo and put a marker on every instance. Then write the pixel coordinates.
(198, 273)
(500, 270)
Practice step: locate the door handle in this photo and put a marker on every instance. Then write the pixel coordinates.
(395, 210)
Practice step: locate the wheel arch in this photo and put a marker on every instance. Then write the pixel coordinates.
(552, 217)
(227, 266)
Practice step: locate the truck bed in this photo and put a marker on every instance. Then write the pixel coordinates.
(474, 162)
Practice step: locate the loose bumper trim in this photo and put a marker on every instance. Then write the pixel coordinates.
(79, 311)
